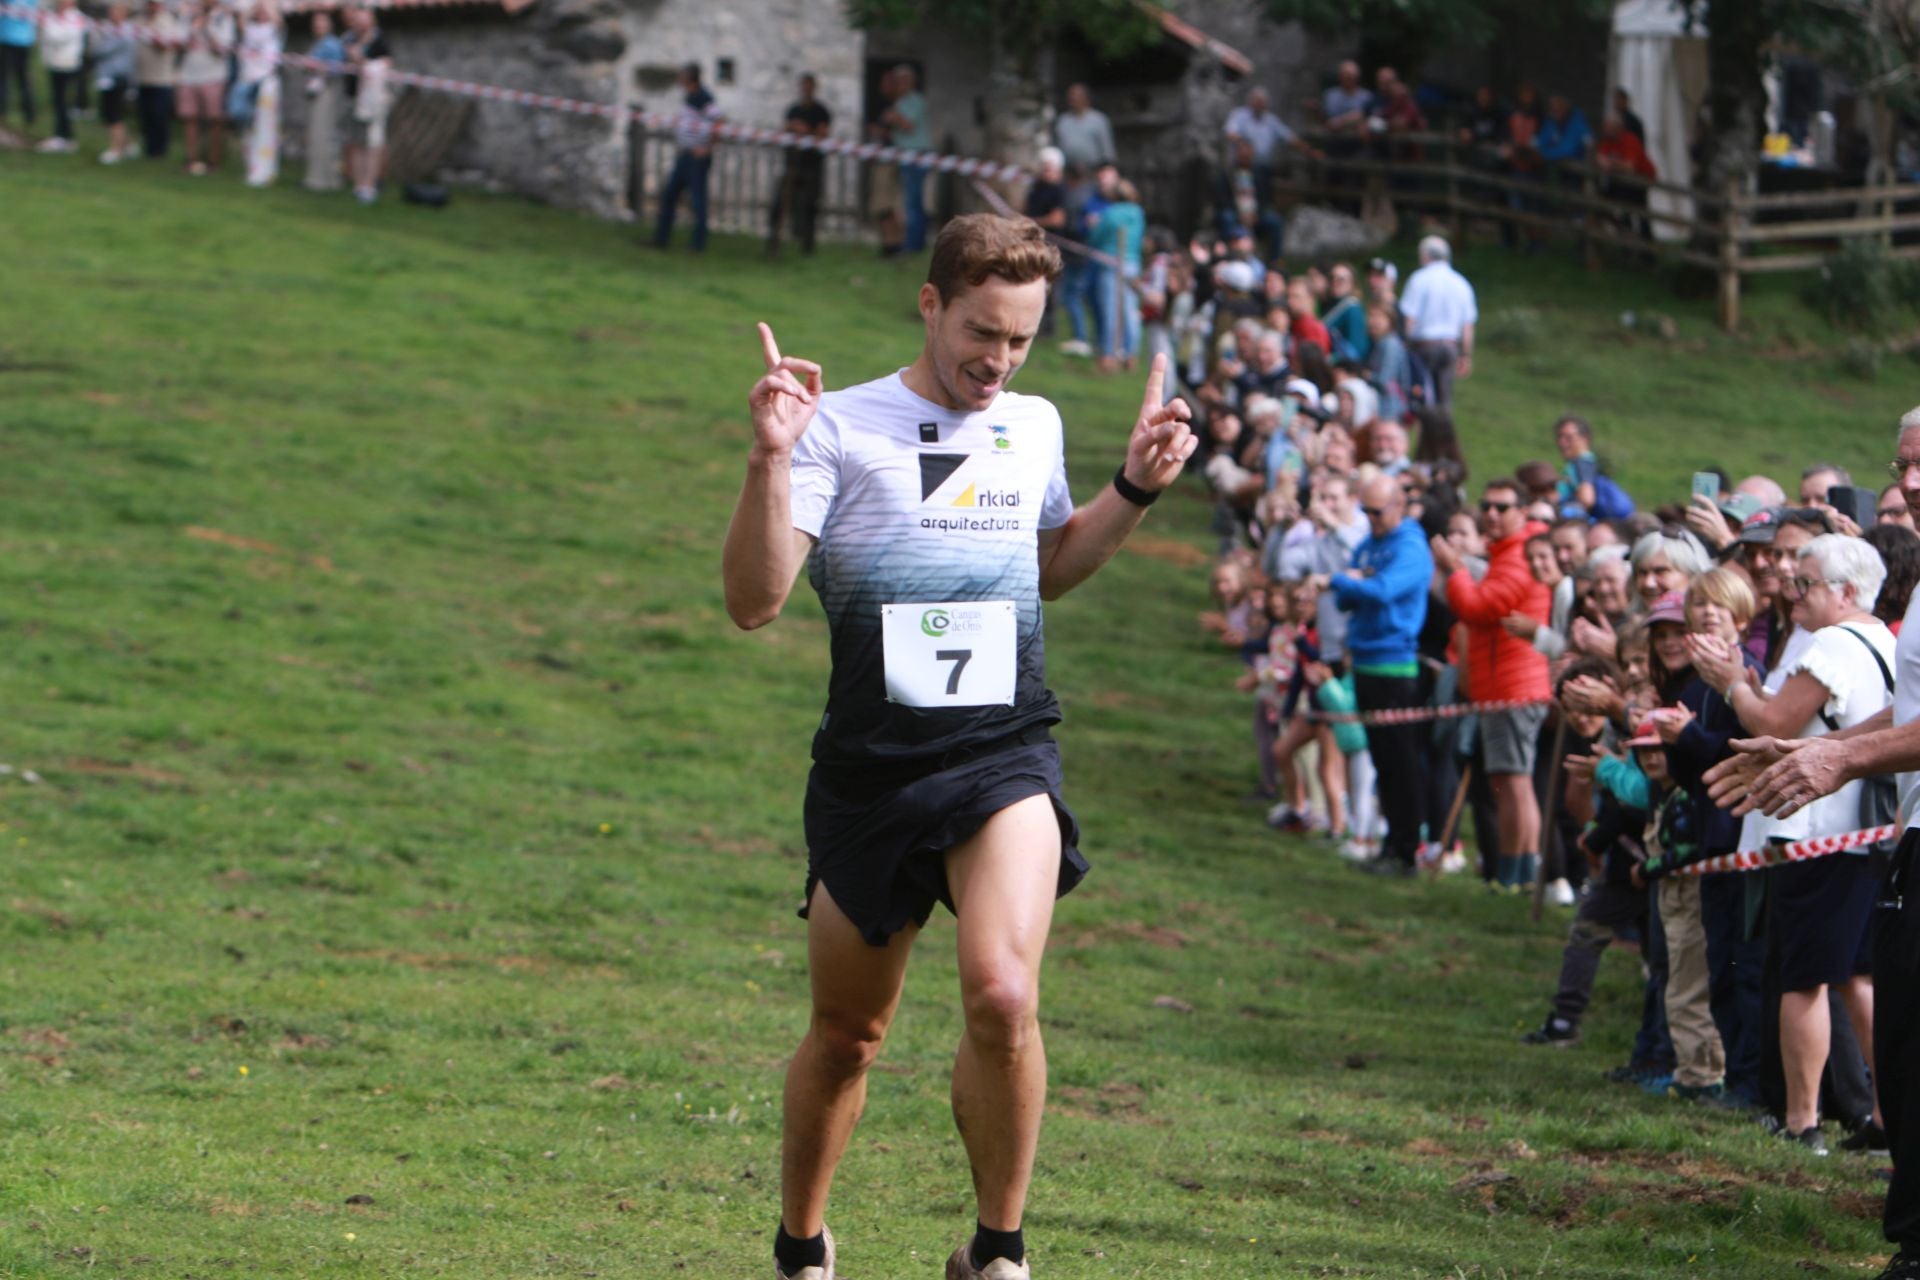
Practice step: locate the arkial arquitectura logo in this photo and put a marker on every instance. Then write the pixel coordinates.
(948, 484)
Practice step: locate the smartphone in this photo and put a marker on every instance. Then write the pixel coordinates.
(1857, 504)
(1708, 484)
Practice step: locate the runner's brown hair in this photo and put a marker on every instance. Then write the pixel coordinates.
(976, 246)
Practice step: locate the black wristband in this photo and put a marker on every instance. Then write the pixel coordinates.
(1132, 492)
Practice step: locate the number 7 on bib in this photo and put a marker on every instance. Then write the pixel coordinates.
(957, 653)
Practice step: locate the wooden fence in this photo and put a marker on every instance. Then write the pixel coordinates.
(1733, 233)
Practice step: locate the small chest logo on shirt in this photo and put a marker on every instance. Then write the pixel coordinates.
(1000, 438)
(929, 433)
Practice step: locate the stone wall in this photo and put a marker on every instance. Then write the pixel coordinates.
(624, 52)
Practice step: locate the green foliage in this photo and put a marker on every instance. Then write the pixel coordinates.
(361, 613)
(1416, 24)
(1114, 27)
(1860, 287)
(1861, 358)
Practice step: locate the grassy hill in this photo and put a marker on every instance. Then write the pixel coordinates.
(410, 887)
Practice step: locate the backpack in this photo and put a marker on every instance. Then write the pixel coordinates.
(1610, 501)
(1879, 794)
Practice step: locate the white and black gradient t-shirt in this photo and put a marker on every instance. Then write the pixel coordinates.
(913, 503)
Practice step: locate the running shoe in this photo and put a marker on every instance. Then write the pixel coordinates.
(1869, 1139)
(1811, 1138)
(1905, 1266)
(960, 1267)
(822, 1272)
(1555, 1031)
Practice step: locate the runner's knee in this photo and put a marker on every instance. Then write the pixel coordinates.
(1002, 1008)
(848, 1043)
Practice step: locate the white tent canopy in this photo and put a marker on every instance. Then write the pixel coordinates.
(1662, 64)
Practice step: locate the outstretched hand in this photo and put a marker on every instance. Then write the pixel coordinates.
(1730, 784)
(1161, 441)
(782, 404)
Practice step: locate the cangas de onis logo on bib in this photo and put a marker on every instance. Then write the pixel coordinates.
(955, 653)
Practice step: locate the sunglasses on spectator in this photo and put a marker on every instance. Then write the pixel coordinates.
(1803, 585)
(1373, 513)
(1498, 506)
(1899, 467)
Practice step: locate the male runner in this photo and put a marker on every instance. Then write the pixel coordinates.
(932, 508)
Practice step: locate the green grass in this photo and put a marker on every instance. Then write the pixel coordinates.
(415, 826)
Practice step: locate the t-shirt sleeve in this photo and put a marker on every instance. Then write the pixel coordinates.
(1834, 659)
(816, 474)
(1057, 507)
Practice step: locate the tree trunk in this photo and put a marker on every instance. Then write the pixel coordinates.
(1018, 91)
(1736, 95)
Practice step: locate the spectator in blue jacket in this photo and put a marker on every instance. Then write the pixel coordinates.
(1385, 591)
(1564, 134)
(18, 32)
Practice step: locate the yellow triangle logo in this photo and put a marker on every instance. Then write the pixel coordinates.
(966, 498)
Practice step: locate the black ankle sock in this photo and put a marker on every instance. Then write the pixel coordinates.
(989, 1244)
(793, 1254)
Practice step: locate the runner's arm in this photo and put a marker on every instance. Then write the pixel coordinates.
(1159, 447)
(764, 552)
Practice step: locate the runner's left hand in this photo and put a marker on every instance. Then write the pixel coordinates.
(1161, 441)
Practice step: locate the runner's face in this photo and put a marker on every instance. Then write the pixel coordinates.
(978, 339)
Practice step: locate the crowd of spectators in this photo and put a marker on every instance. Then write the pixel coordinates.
(1623, 651)
(212, 67)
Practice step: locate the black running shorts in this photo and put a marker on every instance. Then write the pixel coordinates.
(879, 842)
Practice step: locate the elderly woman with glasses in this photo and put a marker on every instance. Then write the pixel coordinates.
(1836, 673)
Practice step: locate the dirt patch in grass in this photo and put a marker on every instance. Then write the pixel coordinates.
(129, 769)
(1170, 550)
(1129, 931)
(1120, 1100)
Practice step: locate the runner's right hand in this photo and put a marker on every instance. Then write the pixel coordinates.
(781, 403)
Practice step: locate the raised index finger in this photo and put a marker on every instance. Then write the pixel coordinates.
(1156, 381)
(768, 347)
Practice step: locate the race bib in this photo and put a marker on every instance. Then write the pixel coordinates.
(957, 654)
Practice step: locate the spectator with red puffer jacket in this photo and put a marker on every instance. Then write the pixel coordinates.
(1503, 667)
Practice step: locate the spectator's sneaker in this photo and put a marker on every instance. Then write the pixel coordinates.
(1636, 1073)
(1385, 866)
(1075, 347)
(110, 156)
(823, 1272)
(1811, 1138)
(1427, 856)
(1561, 894)
(51, 146)
(1284, 817)
(1315, 823)
(1356, 851)
(1905, 1266)
(1869, 1139)
(1555, 1031)
(1656, 1083)
(1453, 863)
(960, 1267)
(1711, 1095)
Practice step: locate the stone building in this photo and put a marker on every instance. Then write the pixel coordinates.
(1167, 102)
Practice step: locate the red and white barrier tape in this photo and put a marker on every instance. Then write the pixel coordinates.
(1800, 851)
(999, 205)
(931, 160)
(1416, 715)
